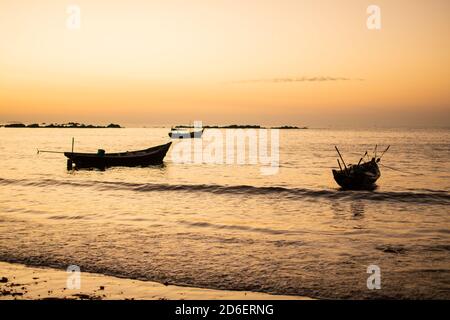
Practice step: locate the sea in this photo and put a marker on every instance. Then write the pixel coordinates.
(230, 225)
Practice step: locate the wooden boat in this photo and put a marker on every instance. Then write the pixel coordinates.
(102, 160)
(357, 177)
(361, 176)
(178, 134)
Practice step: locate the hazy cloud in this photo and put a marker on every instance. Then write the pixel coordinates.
(297, 79)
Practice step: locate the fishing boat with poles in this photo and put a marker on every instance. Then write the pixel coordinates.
(103, 160)
(361, 176)
(179, 133)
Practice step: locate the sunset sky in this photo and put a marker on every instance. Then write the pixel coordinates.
(148, 62)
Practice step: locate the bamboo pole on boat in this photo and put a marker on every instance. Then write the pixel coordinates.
(51, 151)
(345, 166)
(340, 156)
(47, 151)
(362, 158)
(339, 163)
(384, 152)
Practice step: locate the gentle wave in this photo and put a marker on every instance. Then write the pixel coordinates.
(430, 197)
(235, 227)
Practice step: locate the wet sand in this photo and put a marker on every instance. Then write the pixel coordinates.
(22, 282)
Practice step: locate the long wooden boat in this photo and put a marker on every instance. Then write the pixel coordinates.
(176, 134)
(102, 160)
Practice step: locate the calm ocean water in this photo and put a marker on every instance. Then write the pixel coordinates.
(229, 227)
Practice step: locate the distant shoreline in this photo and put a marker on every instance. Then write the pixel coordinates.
(70, 125)
(74, 125)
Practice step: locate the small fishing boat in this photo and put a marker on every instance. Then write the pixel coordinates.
(361, 176)
(356, 177)
(102, 160)
(177, 133)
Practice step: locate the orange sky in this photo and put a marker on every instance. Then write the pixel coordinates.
(171, 61)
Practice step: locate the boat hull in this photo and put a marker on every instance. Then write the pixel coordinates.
(141, 158)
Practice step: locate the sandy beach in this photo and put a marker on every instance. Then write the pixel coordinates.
(22, 282)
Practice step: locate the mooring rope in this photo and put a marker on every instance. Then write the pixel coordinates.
(407, 172)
